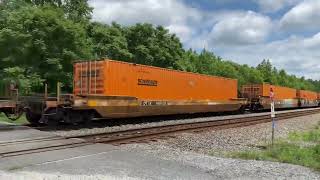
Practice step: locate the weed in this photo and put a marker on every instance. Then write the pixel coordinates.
(21, 120)
(292, 151)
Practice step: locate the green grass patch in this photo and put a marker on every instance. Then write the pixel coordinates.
(310, 136)
(295, 150)
(21, 120)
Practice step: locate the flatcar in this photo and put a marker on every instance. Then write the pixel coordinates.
(9, 103)
(114, 89)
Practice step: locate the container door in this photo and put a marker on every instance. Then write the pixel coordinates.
(88, 78)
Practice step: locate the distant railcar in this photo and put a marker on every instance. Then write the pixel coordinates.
(307, 98)
(259, 96)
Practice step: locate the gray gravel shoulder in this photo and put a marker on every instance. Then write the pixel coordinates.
(227, 168)
(26, 175)
(193, 149)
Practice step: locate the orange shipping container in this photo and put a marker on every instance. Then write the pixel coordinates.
(263, 90)
(115, 78)
(309, 95)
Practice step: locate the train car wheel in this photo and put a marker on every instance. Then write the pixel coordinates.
(33, 118)
(87, 118)
(242, 110)
(53, 118)
(52, 123)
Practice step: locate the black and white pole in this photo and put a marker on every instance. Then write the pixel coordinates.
(273, 114)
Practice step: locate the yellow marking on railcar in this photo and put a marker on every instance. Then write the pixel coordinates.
(134, 104)
(92, 103)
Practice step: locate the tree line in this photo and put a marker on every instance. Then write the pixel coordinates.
(40, 39)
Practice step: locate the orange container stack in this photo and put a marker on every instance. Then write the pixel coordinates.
(309, 95)
(115, 78)
(263, 90)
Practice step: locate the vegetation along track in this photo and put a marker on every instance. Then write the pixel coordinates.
(153, 133)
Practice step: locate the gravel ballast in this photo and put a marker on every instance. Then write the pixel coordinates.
(194, 149)
(242, 138)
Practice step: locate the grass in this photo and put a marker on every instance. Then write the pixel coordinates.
(310, 136)
(21, 120)
(301, 148)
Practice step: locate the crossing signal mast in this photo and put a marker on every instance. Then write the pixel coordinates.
(273, 113)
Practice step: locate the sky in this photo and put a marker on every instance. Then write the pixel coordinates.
(245, 31)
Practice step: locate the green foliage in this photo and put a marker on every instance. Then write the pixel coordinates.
(41, 40)
(25, 81)
(21, 121)
(287, 153)
(109, 41)
(76, 10)
(310, 136)
(153, 46)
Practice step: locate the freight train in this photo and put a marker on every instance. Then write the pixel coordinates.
(111, 89)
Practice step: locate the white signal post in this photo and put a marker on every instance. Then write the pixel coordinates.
(273, 114)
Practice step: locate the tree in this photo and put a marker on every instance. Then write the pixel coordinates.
(109, 41)
(41, 40)
(76, 10)
(187, 62)
(153, 46)
(265, 67)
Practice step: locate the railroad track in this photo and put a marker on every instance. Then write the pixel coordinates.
(154, 133)
(150, 133)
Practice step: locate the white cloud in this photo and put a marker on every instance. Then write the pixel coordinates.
(275, 5)
(173, 14)
(304, 16)
(244, 28)
(297, 55)
(183, 20)
(183, 31)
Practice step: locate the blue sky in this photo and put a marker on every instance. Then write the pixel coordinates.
(244, 31)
